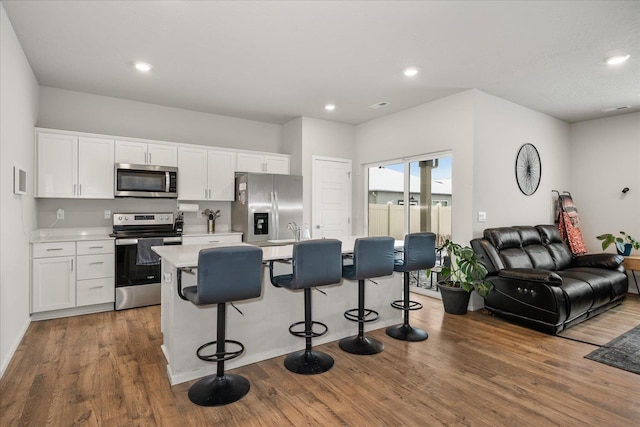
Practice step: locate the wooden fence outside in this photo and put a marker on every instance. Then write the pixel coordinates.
(388, 220)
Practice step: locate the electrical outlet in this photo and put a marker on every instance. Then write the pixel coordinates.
(60, 214)
(482, 216)
(107, 214)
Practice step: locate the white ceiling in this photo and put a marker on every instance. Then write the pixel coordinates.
(274, 61)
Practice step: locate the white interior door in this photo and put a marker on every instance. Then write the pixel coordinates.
(331, 197)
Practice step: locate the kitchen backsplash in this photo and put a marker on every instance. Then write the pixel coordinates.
(90, 213)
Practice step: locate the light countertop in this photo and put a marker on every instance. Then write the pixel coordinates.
(187, 255)
(44, 235)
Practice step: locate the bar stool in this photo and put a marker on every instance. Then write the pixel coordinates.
(315, 263)
(419, 254)
(372, 257)
(225, 274)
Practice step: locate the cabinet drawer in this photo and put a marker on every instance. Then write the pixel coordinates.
(95, 266)
(54, 249)
(95, 291)
(201, 240)
(88, 247)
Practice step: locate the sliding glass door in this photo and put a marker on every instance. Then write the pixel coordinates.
(410, 195)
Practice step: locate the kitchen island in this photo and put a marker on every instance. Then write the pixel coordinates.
(264, 327)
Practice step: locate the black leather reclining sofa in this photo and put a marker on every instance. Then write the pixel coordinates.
(538, 283)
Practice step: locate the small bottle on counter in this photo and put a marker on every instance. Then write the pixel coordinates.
(305, 234)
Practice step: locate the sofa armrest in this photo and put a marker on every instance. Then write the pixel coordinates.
(531, 275)
(603, 260)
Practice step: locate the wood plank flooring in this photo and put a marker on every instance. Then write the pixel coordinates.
(107, 369)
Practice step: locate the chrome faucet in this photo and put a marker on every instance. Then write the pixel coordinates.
(295, 229)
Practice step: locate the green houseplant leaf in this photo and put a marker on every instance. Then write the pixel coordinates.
(466, 271)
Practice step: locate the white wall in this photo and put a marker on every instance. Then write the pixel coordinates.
(322, 138)
(606, 158)
(84, 112)
(441, 125)
(501, 127)
(292, 144)
(18, 113)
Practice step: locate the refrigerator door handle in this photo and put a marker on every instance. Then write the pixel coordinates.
(276, 215)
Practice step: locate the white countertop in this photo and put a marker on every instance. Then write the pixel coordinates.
(43, 235)
(217, 233)
(187, 255)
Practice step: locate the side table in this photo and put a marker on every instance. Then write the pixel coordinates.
(633, 263)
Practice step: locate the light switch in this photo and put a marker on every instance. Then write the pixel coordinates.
(482, 216)
(60, 214)
(107, 214)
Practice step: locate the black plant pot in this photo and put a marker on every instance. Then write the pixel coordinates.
(455, 300)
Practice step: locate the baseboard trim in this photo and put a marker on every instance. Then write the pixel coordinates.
(14, 348)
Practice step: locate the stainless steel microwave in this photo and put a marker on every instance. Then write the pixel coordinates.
(146, 181)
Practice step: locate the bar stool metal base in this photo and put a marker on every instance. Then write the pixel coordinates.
(407, 333)
(308, 362)
(361, 345)
(217, 391)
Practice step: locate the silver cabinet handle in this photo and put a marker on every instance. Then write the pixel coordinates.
(54, 249)
(145, 158)
(71, 264)
(209, 193)
(205, 193)
(74, 189)
(214, 241)
(97, 262)
(96, 287)
(96, 247)
(80, 190)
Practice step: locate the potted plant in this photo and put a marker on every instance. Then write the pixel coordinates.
(462, 273)
(624, 242)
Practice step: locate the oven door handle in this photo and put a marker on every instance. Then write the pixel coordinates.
(122, 242)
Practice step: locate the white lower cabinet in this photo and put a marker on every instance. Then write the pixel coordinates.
(54, 283)
(72, 274)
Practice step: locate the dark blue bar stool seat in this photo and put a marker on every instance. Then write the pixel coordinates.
(419, 254)
(225, 274)
(372, 257)
(315, 263)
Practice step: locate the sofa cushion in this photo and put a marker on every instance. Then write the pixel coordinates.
(503, 237)
(559, 252)
(578, 295)
(605, 283)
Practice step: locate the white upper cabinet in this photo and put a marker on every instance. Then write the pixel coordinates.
(74, 167)
(221, 177)
(263, 163)
(205, 174)
(57, 160)
(95, 168)
(192, 174)
(142, 153)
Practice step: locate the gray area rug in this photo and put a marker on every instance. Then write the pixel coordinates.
(622, 352)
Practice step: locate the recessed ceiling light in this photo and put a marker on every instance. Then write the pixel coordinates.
(410, 72)
(329, 107)
(143, 66)
(618, 59)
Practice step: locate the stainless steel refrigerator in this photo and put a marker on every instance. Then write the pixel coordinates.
(264, 206)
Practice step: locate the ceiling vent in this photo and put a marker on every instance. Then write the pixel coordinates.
(622, 107)
(379, 105)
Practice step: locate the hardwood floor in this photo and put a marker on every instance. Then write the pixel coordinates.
(107, 369)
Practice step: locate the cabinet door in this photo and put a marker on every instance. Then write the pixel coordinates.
(221, 182)
(192, 174)
(95, 168)
(131, 152)
(57, 165)
(248, 162)
(54, 284)
(95, 291)
(277, 164)
(162, 155)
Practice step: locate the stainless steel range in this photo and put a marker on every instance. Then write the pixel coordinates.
(138, 270)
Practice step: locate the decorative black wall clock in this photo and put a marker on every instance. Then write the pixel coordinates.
(528, 169)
